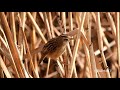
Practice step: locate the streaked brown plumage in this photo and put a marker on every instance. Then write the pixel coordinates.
(55, 47)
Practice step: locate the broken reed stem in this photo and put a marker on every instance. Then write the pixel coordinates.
(100, 44)
(13, 48)
(97, 52)
(72, 64)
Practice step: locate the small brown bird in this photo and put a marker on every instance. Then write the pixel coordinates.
(55, 47)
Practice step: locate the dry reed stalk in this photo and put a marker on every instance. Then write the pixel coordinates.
(1, 73)
(41, 15)
(56, 31)
(62, 72)
(114, 71)
(99, 76)
(118, 40)
(72, 64)
(49, 34)
(106, 42)
(112, 24)
(75, 72)
(47, 24)
(84, 37)
(4, 49)
(13, 48)
(100, 44)
(31, 62)
(21, 21)
(20, 36)
(97, 52)
(70, 25)
(38, 49)
(51, 24)
(93, 15)
(47, 71)
(20, 42)
(12, 25)
(51, 75)
(4, 41)
(68, 46)
(93, 63)
(64, 24)
(66, 60)
(34, 40)
(3, 66)
(86, 49)
(64, 21)
(58, 13)
(72, 33)
(6, 52)
(36, 26)
(79, 49)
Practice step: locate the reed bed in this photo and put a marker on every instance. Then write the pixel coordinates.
(94, 51)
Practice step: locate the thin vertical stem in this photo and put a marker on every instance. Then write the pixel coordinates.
(36, 26)
(118, 41)
(93, 63)
(2, 64)
(12, 46)
(72, 64)
(100, 44)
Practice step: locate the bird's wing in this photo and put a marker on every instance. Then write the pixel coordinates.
(50, 46)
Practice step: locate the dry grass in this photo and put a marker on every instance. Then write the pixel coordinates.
(93, 53)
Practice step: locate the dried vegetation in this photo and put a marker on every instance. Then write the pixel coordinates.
(94, 52)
